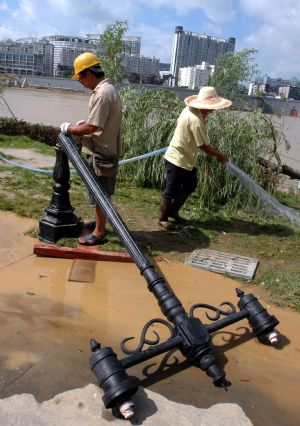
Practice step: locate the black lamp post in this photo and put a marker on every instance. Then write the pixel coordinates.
(187, 332)
(59, 219)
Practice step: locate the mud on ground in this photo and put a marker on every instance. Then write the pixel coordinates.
(47, 322)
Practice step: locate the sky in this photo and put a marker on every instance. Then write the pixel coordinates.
(270, 26)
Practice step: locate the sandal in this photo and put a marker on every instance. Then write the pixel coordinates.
(90, 224)
(92, 240)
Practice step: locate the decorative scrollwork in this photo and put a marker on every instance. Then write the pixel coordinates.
(165, 364)
(218, 311)
(144, 340)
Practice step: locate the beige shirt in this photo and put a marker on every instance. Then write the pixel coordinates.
(189, 135)
(105, 111)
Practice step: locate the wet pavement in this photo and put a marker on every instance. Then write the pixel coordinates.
(47, 322)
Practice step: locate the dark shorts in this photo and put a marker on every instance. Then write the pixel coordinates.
(107, 184)
(179, 180)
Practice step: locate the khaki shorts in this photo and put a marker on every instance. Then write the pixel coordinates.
(107, 184)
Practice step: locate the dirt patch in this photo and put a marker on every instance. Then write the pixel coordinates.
(29, 157)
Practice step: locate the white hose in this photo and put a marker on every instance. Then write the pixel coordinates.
(249, 183)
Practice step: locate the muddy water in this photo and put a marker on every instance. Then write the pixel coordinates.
(47, 322)
(45, 106)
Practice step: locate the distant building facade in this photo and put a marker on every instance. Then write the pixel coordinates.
(132, 44)
(54, 56)
(289, 92)
(66, 49)
(146, 67)
(191, 49)
(285, 88)
(196, 76)
(26, 57)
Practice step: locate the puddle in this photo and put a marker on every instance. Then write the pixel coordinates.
(47, 322)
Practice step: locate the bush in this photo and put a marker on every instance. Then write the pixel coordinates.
(39, 132)
(149, 119)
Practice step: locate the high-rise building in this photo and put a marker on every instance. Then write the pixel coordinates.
(191, 48)
(132, 43)
(66, 49)
(144, 66)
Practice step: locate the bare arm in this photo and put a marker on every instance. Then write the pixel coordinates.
(82, 129)
(212, 151)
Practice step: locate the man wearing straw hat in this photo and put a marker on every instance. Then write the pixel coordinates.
(181, 155)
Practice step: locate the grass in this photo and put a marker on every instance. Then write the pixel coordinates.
(23, 142)
(274, 241)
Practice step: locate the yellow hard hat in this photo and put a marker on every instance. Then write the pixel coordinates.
(83, 61)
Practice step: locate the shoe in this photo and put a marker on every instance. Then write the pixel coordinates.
(92, 240)
(177, 218)
(90, 224)
(164, 213)
(167, 225)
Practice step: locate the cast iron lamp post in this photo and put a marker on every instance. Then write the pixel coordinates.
(59, 219)
(187, 332)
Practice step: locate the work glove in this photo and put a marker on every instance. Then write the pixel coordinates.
(80, 122)
(64, 128)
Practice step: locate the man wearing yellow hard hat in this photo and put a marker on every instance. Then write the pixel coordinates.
(100, 134)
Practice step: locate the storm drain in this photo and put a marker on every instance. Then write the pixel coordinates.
(224, 263)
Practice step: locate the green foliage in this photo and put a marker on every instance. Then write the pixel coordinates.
(232, 69)
(113, 49)
(148, 124)
(24, 142)
(39, 132)
(243, 137)
(283, 286)
(149, 119)
(2, 83)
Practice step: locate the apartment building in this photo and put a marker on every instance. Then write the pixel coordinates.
(289, 92)
(196, 76)
(54, 55)
(191, 49)
(66, 49)
(144, 66)
(26, 57)
(132, 43)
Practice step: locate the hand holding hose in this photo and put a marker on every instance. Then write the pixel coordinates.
(213, 151)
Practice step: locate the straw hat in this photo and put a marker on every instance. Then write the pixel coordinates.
(207, 99)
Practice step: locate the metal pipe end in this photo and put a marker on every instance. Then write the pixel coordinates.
(126, 409)
(273, 337)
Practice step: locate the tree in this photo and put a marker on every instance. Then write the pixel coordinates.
(113, 50)
(2, 83)
(231, 70)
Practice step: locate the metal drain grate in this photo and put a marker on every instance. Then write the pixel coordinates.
(224, 263)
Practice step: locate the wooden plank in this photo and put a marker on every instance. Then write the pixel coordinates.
(80, 253)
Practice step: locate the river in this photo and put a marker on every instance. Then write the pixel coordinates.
(44, 106)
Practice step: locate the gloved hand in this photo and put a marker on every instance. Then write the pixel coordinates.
(80, 122)
(64, 128)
